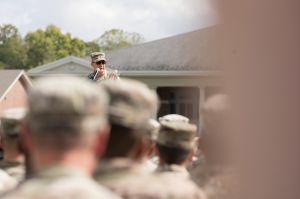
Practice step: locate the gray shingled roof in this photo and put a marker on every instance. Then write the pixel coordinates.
(9, 77)
(190, 51)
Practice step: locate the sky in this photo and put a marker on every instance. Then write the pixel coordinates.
(88, 19)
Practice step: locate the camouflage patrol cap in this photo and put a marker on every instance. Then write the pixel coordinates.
(177, 134)
(11, 121)
(174, 117)
(132, 103)
(66, 104)
(98, 56)
(153, 128)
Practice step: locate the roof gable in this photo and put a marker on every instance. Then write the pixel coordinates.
(68, 65)
(9, 77)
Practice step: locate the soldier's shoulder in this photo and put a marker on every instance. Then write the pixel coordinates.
(69, 187)
(7, 183)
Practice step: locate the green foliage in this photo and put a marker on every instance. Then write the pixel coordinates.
(12, 48)
(91, 46)
(44, 46)
(117, 38)
(51, 44)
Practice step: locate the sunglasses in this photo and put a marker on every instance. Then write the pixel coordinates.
(100, 62)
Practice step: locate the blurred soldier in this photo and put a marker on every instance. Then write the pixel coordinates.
(13, 162)
(174, 118)
(175, 143)
(152, 132)
(123, 170)
(7, 183)
(99, 65)
(216, 175)
(64, 128)
(132, 104)
(175, 146)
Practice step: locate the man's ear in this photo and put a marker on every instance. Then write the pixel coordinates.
(191, 155)
(101, 140)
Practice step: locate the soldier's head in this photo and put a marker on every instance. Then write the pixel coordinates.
(176, 140)
(215, 130)
(11, 120)
(98, 61)
(65, 113)
(131, 106)
(152, 133)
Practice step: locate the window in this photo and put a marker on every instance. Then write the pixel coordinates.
(179, 100)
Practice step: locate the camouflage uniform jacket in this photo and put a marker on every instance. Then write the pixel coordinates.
(113, 74)
(132, 181)
(15, 169)
(7, 183)
(60, 182)
(174, 169)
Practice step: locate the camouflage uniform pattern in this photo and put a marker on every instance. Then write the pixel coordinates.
(132, 181)
(177, 134)
(11, 127)
(15, 169)
(81, 103)
(176, 131)
(61, 182)
(7, 183)
(77, 108)
(109, 74)
(132, 103)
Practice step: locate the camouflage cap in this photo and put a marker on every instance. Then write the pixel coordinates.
(177, 134)
(132, 103)
(97, 56)
(152, 129)
(66, 104)
(11, 121)
(174, 117)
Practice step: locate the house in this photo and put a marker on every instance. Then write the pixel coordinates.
(183, 69)
(14, 85)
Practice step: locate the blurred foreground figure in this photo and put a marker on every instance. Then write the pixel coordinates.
(261, 56)
(64, 128)
(123, 169)
(152, 132)
(13, 162)
(216, 177)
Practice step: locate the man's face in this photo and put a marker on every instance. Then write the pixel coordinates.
(101, 65)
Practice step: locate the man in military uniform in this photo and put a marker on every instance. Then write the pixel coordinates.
(64, 128)
(131, 106)
(175, 143)
(99, 66)
(13, 162)
(123, 169)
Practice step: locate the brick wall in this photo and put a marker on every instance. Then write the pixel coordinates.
(16, 97)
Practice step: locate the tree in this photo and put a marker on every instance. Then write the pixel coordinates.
(117, 38)
(91, 46)
(12, 48)
(51, 44)
(8, 31)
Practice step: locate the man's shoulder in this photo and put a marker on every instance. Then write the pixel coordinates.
(81, 187)
(7, 183)
(152, 186)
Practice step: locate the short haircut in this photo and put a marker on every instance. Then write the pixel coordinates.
(172, 155)
(121, 141)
